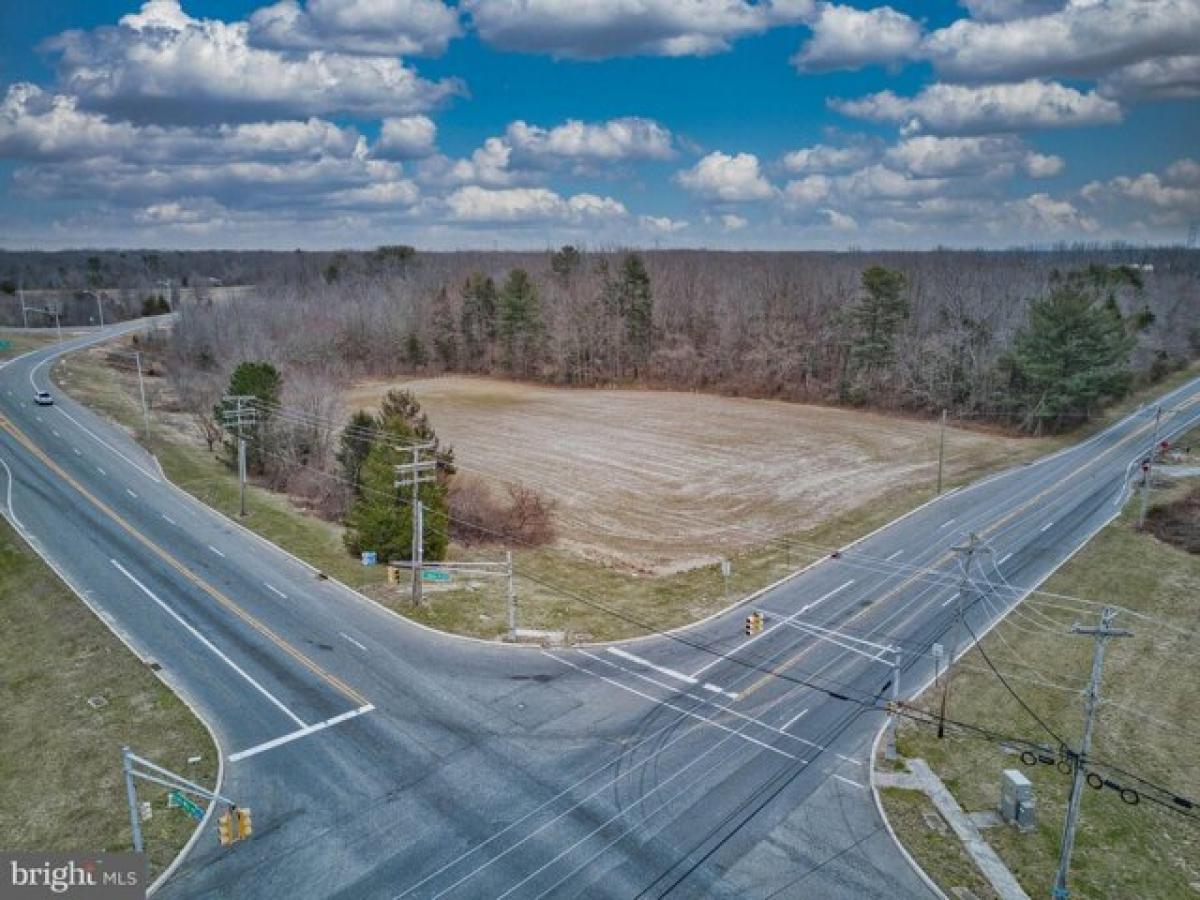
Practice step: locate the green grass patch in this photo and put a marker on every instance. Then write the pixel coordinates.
(1148, 724)
(61, 786)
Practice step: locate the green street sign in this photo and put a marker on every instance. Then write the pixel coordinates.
(5, 345)
(180, 801)
(434, 575)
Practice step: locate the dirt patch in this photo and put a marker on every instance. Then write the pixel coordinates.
(663, 480)
(1178, 522)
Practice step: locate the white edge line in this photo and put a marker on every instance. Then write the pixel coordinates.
(1005, 558)
(107, 445)
(191, 705)
(842, 778)
(209, 644)
(794, 719)
(298, 733)
(662, 670)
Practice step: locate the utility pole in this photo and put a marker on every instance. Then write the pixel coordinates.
(21, 297)
(135, 819)
(137, 358)
(890, 747)
(941, 452)
(1149, 474)
(968, 551)
(419, 471)
(242, 415)
(1100, 635)
(512, 598)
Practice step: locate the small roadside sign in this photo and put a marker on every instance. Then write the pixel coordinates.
(726, 568)
(369, 557)
(434, 575)
(5, 345)
(178, 800)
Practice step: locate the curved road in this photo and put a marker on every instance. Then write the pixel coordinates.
(383, 760)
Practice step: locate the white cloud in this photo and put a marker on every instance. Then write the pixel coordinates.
(839, 221)
(808, 191)
(1043, 214)
(1083, 38)
(35, 124)
(825, 158)
(932, 156)
(407, 137)
(476, 204)
(730, 222)
(372, 27)
(398, 193)
(725, 178)
(595, 29)
(164, 66)
(662, 224)
(617, 139)
(188, 215)
(1001, 10)
(487, 165)
(1165, 78)
(954, 108)
(847, 38)
(1171, 198)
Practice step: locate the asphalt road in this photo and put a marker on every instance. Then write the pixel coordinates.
(383, 760)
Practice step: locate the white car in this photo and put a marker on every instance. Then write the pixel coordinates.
(43, 398)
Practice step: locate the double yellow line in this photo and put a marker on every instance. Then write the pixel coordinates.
(179, 567)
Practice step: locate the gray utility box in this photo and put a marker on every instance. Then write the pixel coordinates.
(1017, 805)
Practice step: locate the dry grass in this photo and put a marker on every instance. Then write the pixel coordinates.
(660, 481)
(60, 764)
(1149, 724)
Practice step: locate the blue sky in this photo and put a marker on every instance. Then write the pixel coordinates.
(532, 123)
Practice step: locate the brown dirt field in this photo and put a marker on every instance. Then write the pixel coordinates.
(665, 480)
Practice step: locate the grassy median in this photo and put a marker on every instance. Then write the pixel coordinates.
(73, 695)
(1149, 723)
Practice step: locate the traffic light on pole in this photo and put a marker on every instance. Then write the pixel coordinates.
(244, 826)
(225, 829)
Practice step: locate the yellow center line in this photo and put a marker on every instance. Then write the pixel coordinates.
(179, 567)
(949, 555)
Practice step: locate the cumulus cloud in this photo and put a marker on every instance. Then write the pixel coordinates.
(371, 27)
(487, 165)
(839, 221)
(515, 205)
(1043, 214)
(731, 222)
(1083, 38)
(596, 29)
(407, 137)
(932, 156)
(955, 108)
(826, 158)
(1002, 10)
(730, 179)
(1168, 198)
(626, 138)
(847, 38)
(162, 65)
(1171, 77)
(662, 224)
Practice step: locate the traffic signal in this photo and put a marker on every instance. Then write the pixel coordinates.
(749, 625)
(754, 623)
(225, 829)
(244, 826)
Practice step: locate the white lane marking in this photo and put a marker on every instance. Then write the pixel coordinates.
(1005, 558)
(11, 513)
(216, 551)
(75, 450)
(849, 648)
(299, 733)
(55, 432)
(101, 471)
(274, 590)
(1047, 526)
(946, 524)
(353, 641)
(709, 686)
(894, 555)
(102, 442)
(793, 720)
(679, 709)
(662, 670)
(167, 518)
(851, 782)
(762, 634)
(39, 418)
(131, 493)
(948, 600)
(210, 645)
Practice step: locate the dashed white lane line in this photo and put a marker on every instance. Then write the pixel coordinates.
(793, 720)
(274, 590)
(1047, 526)
(353, 641)
(55, 432)
(167, 518)
(209, 644)
(1005, 558)
(216, 551)
(947, 524)
(299, 733)
(101, 471)
(75, 450)
(107, 445)
(131, 493)
(851, 782)
(894, 555)
(662, 670)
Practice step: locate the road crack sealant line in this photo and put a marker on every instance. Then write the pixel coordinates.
(179, 690)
